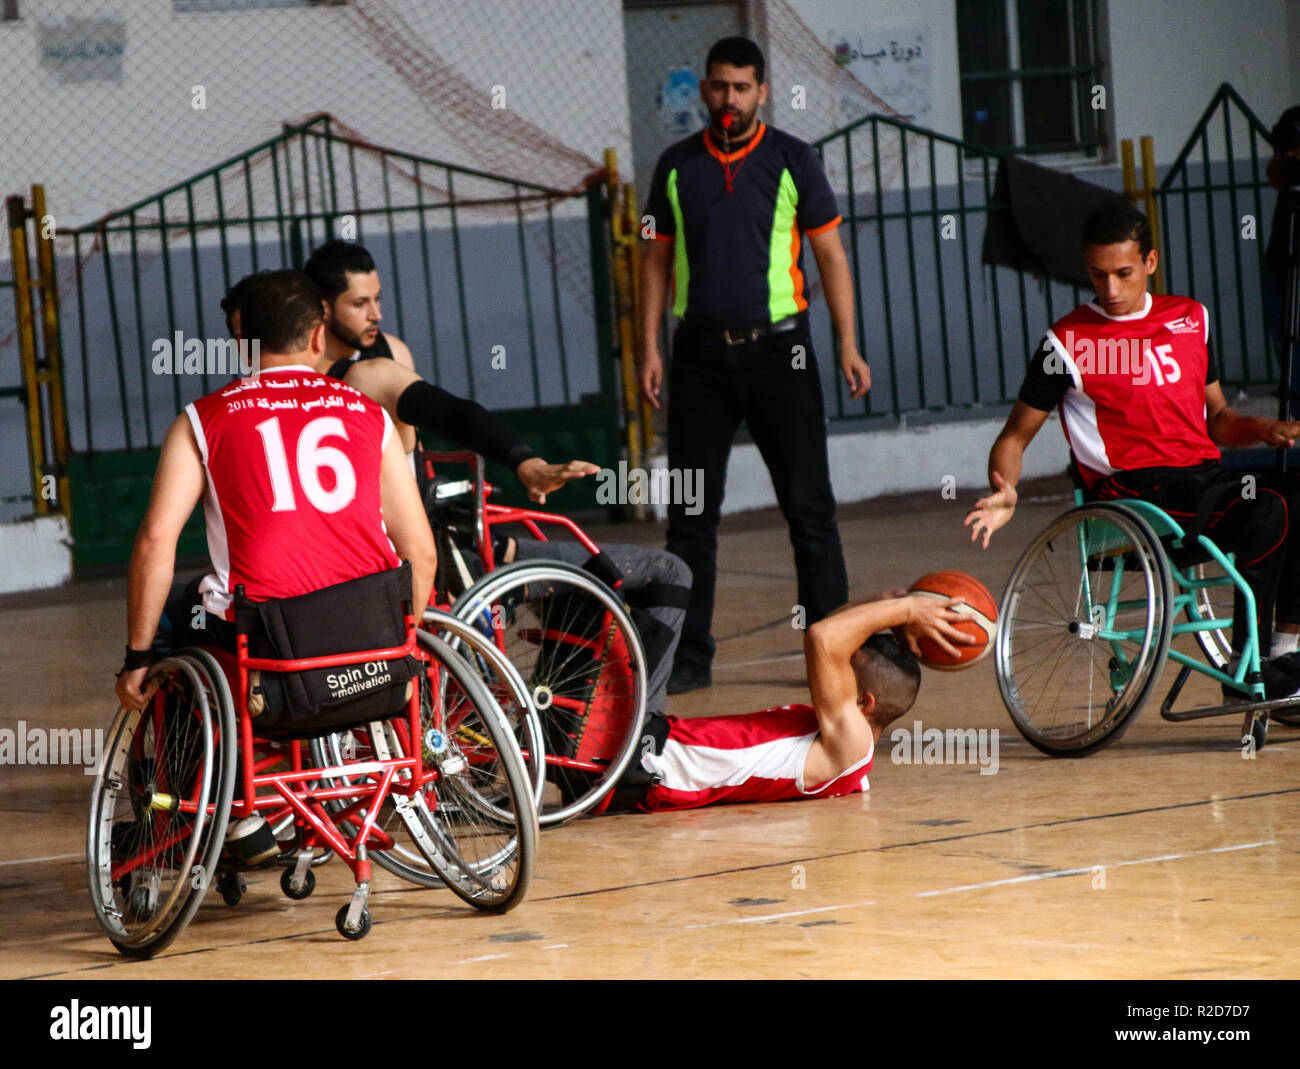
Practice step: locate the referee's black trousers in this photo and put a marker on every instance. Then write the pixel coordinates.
(774, 386)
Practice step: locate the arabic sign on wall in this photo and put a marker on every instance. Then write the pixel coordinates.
(75, 50)
(893, 64)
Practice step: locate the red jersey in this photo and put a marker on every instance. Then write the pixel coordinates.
(292, 504)
(758, 757)
(1137, 386)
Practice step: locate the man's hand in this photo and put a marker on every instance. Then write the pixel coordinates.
(651, 376)
(540, 478)
(856, 372)
(993, 511)
(1276, 433)
(128, 688)
(935, 619)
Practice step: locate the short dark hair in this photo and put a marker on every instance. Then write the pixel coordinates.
(234, 298)
(1116, 222)
(280, 309)
(328, 266)
(1286, 131)
(739, 52)
(891, 673)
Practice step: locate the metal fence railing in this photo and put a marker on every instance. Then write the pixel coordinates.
(487, 278)
(939, 328)
(1213, 215)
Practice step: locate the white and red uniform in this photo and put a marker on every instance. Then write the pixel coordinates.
(292, 504)
(1136, 394)
(756, 757)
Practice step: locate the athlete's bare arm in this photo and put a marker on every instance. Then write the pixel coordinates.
(177, 488)
(405, 521)
(656, 257)
(847, 734)
(1006, 459)
(1228, 427)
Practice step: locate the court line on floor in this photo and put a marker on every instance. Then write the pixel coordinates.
(285, 937)
(51, 857)
(1008, 881)
(958, 837)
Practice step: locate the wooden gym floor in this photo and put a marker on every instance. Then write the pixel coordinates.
(1166, 855)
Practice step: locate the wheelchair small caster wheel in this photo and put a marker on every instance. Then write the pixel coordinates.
(341, 923)
(296, 893)
(232, 887)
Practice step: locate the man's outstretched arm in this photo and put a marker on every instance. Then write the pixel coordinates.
(409, 399)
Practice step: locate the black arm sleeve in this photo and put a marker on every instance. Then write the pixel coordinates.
(465, 422)
(1211, 364)
(1046, 382)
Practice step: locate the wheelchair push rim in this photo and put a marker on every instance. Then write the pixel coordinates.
(1085, 627)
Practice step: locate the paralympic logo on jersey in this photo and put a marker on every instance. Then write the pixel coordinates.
(1133, 357)
(179, 355)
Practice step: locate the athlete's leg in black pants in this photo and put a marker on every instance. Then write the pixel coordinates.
(1252, 528)
(703, 417)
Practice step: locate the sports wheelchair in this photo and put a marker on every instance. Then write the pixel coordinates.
(443, 780)
(563, 628)
(1087, 621)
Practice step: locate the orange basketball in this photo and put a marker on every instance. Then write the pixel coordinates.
(979, 606)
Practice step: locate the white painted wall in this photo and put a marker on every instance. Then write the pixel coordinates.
(34, 554)
(868, 465)
(1169, 56)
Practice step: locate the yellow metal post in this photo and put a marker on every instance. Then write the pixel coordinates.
(50, 371)
(17, 219)
(1149, 206)
(623, 312)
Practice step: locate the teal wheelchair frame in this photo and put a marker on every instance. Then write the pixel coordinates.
(1087, 621)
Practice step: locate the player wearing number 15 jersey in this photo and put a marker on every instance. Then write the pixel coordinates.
(1144, 414)
(303, 481)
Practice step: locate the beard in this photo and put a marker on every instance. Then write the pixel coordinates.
(741, 121)
(348, 337)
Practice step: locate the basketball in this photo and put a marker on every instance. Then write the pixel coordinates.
(981, 608)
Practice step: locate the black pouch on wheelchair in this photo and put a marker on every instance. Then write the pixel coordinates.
(360, 614)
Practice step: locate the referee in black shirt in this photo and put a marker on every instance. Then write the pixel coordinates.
(730, 208)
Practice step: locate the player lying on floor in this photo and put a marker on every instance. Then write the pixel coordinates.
(862, 678)
(378, 365)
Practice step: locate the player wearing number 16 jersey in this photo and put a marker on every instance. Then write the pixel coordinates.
(303, 481)
(1144, 414)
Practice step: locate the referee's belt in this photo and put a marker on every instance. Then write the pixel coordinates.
(745, 334)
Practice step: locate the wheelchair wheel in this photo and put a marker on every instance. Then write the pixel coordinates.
(581, 657)
(160, 804)
(1085, 625)
(476, 823)
(504, 685)
(1212, 603)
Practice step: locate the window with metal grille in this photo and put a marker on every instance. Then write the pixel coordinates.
(1030, 75)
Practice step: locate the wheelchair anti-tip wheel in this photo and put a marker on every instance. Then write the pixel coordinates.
(1085, 626)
